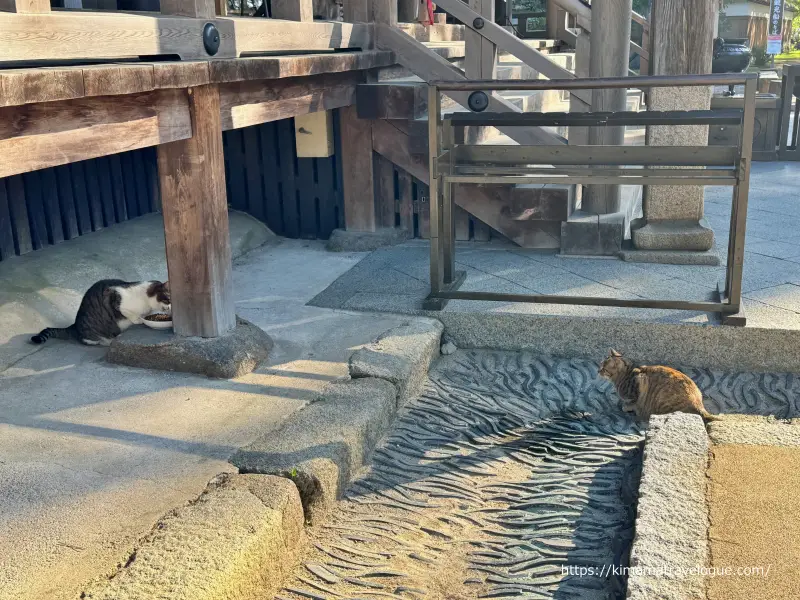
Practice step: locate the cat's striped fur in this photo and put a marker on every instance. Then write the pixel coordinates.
(652, 390)
(108, 308)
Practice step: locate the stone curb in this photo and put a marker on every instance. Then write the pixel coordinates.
(234, 542)
(342, 240)
(671, 539)
(401, 356)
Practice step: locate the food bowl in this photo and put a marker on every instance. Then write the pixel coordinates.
(158, 321)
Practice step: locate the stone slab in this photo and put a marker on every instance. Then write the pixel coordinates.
(232, 355)
(672, 257)
(234, 542)
(342, 240)
(672, 521)
(755, 431)
(592, 235)
(324, 445)
(674, 235)
(401, 356)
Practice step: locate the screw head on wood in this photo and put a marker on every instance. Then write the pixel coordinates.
(211, 39)
(478, 23)
(478, 101)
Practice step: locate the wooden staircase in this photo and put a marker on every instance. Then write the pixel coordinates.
(530, 216)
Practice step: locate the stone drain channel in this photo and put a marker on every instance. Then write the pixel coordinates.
(508, 468)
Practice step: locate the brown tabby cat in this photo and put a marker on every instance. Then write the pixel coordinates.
(656, 390)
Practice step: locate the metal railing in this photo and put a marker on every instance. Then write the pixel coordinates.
(633, 165)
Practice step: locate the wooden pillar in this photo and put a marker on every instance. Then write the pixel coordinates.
(203, 9)
(385, 11)
(293, 10)
(357, 11)
(25, 6)
(357, 165)
(481, 54)
(191, 175)
(407, 11)
(553, 13)
(610, 48)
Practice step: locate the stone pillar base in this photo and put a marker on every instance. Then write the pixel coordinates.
(674, 235)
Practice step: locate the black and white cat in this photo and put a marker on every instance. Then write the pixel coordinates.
(108, 308)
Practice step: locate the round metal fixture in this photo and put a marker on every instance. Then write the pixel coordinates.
(211, 39)
(478, 101)
(478, 23)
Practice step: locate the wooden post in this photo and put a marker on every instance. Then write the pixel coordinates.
(481, 54)
(25, 6)
(203, 9)
(407, 11)
(553, 13)
(191, 175)
(357, 11)
(357, 165)
(293, 10)
(385, 11)
(221, 7)
(610, 48)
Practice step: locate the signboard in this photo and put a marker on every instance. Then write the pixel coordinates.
(775, 27)
(774, 44)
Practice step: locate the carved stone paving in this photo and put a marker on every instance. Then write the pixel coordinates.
(507, 468)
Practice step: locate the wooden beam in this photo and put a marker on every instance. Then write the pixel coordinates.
(481, 54)
(25, 6)
(67, 35)
(275, 67)
(203, 9)
(36, 136)
(429, 66)
(247, 103)
(271, 35)
(23, 86)
(293, 10)
(191, 173)
(357, 171)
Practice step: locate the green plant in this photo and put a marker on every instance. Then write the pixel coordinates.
(760, 56)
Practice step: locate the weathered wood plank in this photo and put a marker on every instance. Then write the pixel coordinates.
(275, 67)
(140, 179)
(6, 232)
(118, 187)
(359, 192)
(19, 214)
(204, 9)
(107, 192)
(111, 80)
(252, 156)
(23, 86)
(78, 174)
(192, 176)
(247, 103)
(66, 35)
(37, 136)
(385, 197)
(385, 11)
(181, 74)
(287, 168)
(94, 193)
(272, 35)
(327, 193)
(25, 6)
(481, 54)
(307, 200)
(293, 10)
(35, 204)
(128, 176)
(55, 227)
(69, 217)
(406, 193)
(357, 11)
(404, 100)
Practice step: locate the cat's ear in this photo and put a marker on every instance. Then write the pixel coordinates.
(165, 286)
(615, 354)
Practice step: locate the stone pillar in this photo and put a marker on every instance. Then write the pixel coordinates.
(682, 34)
(610, 44)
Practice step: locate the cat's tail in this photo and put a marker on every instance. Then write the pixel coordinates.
(707, 416)
(59, 333)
